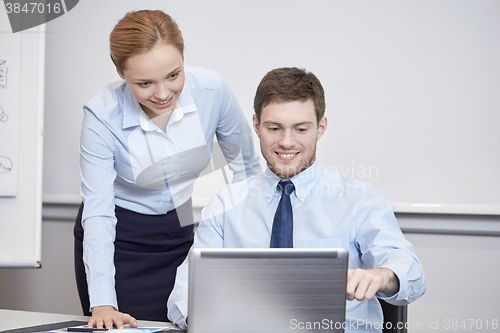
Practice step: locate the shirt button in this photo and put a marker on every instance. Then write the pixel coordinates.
(301, 196)
(269, 196)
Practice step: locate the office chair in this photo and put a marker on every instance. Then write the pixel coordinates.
(394, 314)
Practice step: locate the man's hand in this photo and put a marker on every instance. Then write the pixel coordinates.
(365, 283)
(106, 317)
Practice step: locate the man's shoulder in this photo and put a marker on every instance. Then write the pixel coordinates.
(341, 184)
(336, 177)
(359, 195)
(232, 196)
(241, 189)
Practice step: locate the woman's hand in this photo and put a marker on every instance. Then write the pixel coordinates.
(106, 317)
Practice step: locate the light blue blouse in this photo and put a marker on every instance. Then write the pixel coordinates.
(125, 159)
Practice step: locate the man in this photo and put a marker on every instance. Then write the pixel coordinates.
(328, 209)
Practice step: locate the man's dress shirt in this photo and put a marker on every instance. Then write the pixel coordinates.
(330, 210)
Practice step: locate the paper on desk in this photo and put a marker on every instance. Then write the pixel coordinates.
(127, 329)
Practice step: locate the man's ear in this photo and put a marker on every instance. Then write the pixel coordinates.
(256, 125)
(322, 127)
(120, 73)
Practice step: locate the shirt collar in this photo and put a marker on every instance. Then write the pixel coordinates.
(131, 109)
(133, 115)
(303, 182)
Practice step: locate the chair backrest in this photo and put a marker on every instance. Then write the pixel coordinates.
(397, 316)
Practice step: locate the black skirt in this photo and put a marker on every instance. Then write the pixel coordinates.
(148, 250)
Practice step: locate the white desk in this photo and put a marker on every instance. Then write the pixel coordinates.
(11, 319)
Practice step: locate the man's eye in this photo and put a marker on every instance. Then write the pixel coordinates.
(144, 84)
(301, 130)
(273, 129)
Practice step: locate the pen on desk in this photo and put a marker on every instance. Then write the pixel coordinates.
(85, 329)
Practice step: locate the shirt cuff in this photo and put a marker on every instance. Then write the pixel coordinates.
(404, 295)
(177, 311)
(102, 293)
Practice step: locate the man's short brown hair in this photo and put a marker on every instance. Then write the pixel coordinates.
(288, 84)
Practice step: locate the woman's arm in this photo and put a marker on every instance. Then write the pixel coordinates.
(99, 222)
(235, 136)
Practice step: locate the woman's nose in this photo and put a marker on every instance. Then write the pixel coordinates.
(162, 92)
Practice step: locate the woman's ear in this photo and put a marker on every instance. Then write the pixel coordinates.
(120, 73)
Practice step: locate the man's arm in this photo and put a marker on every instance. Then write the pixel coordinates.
(383, 248)
(208, 234)
(177, 303)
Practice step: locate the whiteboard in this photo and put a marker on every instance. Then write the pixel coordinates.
(20, 210)
(411, 87)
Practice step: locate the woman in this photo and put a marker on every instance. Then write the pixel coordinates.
(144, 141)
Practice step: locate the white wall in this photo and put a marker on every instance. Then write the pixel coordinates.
(52, 287)
(462, 281)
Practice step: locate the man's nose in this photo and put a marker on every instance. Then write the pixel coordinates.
(287, 140)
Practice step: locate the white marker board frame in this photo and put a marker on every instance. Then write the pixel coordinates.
(21, 216)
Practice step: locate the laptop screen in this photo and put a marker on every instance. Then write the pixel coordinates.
(267, 290)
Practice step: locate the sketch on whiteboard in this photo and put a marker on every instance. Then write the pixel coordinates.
(3, 116)
(3, 74)
(5, 164)
(10, 84)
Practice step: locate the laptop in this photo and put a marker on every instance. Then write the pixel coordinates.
(267, 290)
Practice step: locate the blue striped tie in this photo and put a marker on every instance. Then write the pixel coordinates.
(282, 233)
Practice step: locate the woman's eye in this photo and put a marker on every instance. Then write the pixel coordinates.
(144, 84)
(173, 76)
